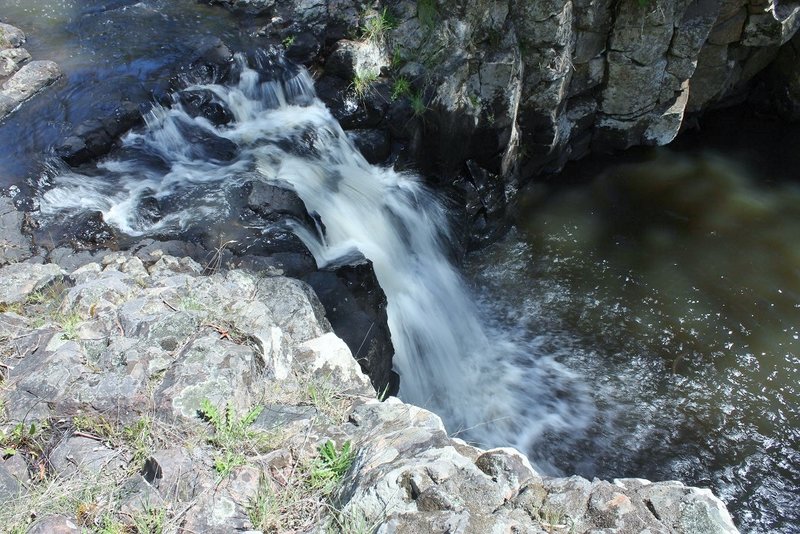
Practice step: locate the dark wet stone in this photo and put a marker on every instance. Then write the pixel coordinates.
(350, 111)
(373, 144)
(96, 137)
(203, 103)
(274, 203)
(303, 48)
(206, 145)
(90, 231)
(356, 308)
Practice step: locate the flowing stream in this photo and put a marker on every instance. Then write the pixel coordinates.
(644, 324)
(166, 179)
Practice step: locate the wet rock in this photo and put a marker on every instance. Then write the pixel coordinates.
(373, 144)
(203, 103)
(356, 307)
(96, 137)
(303, 47)
(14, 245)
(10, 36)
(90, 231)
(11, 59)
(26, 82)
(275, 203)
(211, 63)
(252, 7)
(206, 145)
(351, 111)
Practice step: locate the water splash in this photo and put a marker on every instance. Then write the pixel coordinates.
(485, 387)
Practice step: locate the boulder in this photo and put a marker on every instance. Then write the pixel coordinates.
(15, 246)
(26, 82)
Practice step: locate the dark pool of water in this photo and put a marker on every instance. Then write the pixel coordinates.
(109, 51)
(672, 285)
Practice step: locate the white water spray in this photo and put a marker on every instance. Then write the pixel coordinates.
(488, 390)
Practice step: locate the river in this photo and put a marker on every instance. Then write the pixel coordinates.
(641, 319)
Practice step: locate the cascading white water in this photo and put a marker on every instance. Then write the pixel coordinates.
(486, 388)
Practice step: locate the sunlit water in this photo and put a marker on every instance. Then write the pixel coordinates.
(645, 325)
(486, 387)
(673, 287)
(109, 51)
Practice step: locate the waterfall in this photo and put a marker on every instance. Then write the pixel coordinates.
(487, 388)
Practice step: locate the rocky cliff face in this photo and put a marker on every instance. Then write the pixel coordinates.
(488, 93)
(138, 393)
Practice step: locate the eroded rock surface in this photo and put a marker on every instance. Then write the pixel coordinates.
(141, 390)
(20, 78)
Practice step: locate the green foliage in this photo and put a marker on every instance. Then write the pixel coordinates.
(418, 104)
(401, 88)
(643, 3)
(376, 25)
(327, 470)
(232, 435)
(14, 307)
(362, 82)
(23, 438)
(427, 13)
(150, 521)
(136, 437)
(353, 521)
(288, 41)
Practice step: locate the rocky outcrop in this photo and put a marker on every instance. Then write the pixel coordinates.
(138, 391)
(485, 94)
(20, 78)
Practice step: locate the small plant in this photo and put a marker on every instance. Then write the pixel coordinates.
(232, 435)
(362, 82)
(326, 397)
(418, 104)
(553, 519)
(69, 325)
(136, 437)
(139, 437)
(22, 438)
(14, 307)
(401, 88)
(288, 41)
(427, 13)
(397, 59)
(352, 521)
(327, 470)
(377, 24)
(150, 521)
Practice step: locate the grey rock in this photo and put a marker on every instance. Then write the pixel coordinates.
(30, 79)
(14, 245)
(19, 280)
(10, 487)
(176, 473)
(85, 455)
(10, 36)
(17, 467)
(55, 524)
(11, 59)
